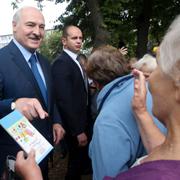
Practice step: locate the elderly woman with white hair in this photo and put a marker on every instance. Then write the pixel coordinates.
(147, 64)
(164, 83)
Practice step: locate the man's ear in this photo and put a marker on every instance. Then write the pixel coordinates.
(14, 25)
(63, 39)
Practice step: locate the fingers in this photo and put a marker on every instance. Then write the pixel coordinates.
(58, 133)
(140, 84)
(139, 98)
(82, 139)
(123, 50)
(31, 154)
(54, 137)
(39, 110)
(139, 77)
(20, 155)
(83, 143)
(30, 108)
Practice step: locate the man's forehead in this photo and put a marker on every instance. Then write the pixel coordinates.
(31, 14)
(32, 19)
(75, 32)
(73, 29)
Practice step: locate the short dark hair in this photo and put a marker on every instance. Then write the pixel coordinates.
(65, 30)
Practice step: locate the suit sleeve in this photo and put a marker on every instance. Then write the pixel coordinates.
(5, 104)
(56, 116)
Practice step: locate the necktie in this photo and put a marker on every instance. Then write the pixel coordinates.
(37, 76)
(83, 73)
(85, 80)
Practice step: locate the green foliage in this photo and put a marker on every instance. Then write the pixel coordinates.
(51, 45)
(78, 14)
(120, 20)
(115, 17)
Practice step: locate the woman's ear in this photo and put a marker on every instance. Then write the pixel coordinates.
(177, 87)
(175, 76)
(177, 94)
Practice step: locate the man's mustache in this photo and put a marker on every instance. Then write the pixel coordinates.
(35, 37)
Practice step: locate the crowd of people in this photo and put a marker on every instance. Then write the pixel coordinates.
(116, 123)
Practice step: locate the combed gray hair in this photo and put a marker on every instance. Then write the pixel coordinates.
(148, 61)
(17, 15)
(169, 58)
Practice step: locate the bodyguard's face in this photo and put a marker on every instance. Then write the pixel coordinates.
(29, 30)
(73, 41)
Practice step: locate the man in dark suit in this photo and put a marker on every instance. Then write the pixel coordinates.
(72, 100)
(19, 87)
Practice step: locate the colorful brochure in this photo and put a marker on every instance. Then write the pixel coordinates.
(26, 135)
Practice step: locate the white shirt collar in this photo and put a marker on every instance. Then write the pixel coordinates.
(74, 58)
(71, 54)
(23, 50)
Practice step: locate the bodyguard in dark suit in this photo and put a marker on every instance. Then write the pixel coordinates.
(72, 100)
(21, 89)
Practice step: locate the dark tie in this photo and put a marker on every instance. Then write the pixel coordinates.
(84, 73)
(85, 80)
(38, 77)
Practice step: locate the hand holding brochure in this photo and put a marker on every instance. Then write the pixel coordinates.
(26, 135)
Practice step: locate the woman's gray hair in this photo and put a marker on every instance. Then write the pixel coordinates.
(148, 61)
(169, 57)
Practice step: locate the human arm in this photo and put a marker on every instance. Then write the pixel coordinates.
(150, 133)
(27, 168)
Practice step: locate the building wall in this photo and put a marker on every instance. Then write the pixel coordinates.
(5, 39)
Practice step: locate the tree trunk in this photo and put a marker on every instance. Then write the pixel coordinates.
(142, 25)
(101, 36)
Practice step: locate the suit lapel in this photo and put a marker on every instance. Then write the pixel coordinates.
(76, 67)
(21, 63)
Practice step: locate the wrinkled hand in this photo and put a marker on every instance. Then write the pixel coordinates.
(123, 50)
(82, 139)
(58, 133)
(139, 98)
(27, 169)
(30, 108)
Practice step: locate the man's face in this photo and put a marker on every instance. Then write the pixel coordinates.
(29, 30)
(73, 41)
